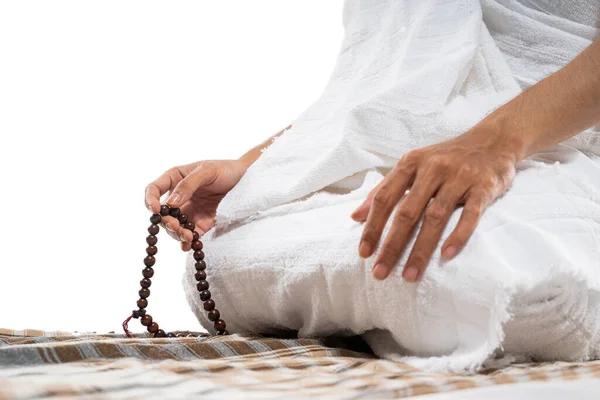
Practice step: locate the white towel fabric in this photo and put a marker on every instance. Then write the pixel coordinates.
(284, 252)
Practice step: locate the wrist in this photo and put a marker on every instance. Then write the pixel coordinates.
(247, 159)
(501, 134)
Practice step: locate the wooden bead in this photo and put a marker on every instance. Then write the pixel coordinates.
(209, 304)
(204, 295)
(220, 325)
(147, 320)
(145, 283)
(153, 328)
(156, 219)
(183, 218)
(200, 275)
(151, 250)
(164, 210)
(149, 261)
(200, 265)
(214, 315)
(202, 285)
(148, 272)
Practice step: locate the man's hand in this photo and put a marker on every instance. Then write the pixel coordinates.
(197, 189)
(472, 169)
(476, 167)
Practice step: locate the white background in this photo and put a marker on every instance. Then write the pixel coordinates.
(97, 99)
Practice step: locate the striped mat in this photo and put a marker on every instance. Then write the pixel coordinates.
(37, 364)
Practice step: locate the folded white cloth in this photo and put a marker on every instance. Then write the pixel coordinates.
(284, 252)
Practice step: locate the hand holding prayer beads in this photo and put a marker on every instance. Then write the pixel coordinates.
(148, 273)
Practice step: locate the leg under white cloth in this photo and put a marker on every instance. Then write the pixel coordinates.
(528, 281)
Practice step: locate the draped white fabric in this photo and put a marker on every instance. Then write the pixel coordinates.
(283, 255)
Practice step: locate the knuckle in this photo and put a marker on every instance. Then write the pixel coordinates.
(465, 170)
(406, 214)
(210, 168)
(381, 197)
(438, 162)
(473, 211)
(173, 171)
(436, 212)
(489, 181)
(408, 162)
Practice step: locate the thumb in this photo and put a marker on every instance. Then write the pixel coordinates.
(204, 174)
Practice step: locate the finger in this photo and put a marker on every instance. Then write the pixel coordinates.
(382, 204)
(436, 218)
(406, 217)
(186, 246)
(160, 186)
(175, 230)
(202, 221)
(469, 218)
(172, 227)
(361, 212)
(204, 174)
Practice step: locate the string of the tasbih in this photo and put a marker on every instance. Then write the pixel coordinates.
(148, 273)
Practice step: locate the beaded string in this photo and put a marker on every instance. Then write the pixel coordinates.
(148, 272)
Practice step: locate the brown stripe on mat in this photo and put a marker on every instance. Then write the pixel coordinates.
(534, 375)
(154, 352)
(259, 366)
(67, 352)
(241, 348)
(416, 389)
(109, 350)
(201, 349)
(460, 384)
(569, 374)
(501, 378)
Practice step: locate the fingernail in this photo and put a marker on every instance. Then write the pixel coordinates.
(182, 238)
(174, 198)
(379, 271)
(149, 207)
(364, 249)
(410, 274)
(449, 252)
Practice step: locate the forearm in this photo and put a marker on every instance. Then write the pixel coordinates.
(555, 109)
(253, 154)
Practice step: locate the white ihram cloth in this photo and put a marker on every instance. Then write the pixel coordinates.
(284, 252)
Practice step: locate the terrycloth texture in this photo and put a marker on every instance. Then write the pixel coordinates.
(39, 365)
(283, 254)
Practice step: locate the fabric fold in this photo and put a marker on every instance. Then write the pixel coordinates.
(283, 254)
